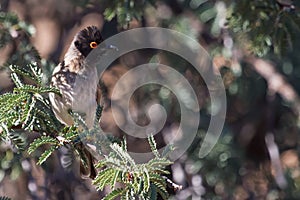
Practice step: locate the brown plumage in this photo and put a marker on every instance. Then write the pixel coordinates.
(77, 83)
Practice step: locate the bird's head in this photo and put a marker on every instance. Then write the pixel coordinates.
(87, 40)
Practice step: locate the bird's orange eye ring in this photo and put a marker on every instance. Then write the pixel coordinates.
(93, 45)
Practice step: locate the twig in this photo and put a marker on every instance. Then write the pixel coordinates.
(172, 185)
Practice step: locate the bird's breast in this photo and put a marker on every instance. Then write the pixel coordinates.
(78, 93)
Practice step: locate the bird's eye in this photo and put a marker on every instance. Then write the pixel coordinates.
(93, 45)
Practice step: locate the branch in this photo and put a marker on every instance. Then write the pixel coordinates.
(273, 151)
(276, 81)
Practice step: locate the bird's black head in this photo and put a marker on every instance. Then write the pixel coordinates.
(88, 39)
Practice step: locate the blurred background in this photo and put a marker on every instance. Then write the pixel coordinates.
(255, 45)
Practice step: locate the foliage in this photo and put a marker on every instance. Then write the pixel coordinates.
(234, 169)
(267, 26)
(27, 110)
(12, 30)
(139, 180)
(26, 107)
(123, 10)
(5, 198)
(126, 10)
(220, 169)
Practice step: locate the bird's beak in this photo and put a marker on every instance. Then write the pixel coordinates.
(104, 49)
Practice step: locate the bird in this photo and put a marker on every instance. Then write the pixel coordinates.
(77, 83)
